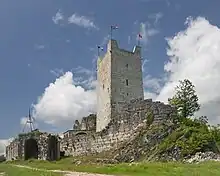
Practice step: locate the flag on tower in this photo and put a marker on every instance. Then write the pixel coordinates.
(101, 48)
(114, 27)
(140, 36)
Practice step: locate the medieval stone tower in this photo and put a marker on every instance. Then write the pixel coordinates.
(119, 75)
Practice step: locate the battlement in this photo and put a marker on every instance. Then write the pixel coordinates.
(113, 48)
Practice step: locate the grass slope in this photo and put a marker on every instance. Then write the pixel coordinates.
(135, 169)
(10, 170)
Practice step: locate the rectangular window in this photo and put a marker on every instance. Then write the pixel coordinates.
(126, 65)
(127, 82)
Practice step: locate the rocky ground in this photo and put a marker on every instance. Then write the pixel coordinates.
(201, 157)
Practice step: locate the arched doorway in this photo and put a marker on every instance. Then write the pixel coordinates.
(30, 149)
(52, 148)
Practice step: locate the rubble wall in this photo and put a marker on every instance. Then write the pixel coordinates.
(123, 127)
(16, 150)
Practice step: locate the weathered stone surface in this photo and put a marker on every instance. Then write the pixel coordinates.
(201, 157)
(19, 148)
(123, 127)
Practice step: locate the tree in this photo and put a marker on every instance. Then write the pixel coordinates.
(185, 99)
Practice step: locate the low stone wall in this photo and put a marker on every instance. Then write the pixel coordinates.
(123, 127)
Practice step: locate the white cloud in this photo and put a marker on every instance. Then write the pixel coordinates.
(58, 17)
(39, 47)
(84, 77)
(63, 102)
(3, 144)
(156, 17)
(82, 21)
(154, 84)
(194, 55)
(57, 72)
(146, 32)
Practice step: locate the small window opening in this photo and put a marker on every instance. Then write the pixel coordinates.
(126, 65)
(127, 94)
(127, 82)
(103, 86)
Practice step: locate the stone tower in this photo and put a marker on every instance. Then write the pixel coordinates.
(119, 75)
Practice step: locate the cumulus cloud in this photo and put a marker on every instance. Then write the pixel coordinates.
(82, 21)
(194, 55)
(63, 102)
(58, 17)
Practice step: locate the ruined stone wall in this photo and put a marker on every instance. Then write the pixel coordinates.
(12, 150)
(87, 123)
(119, 76)
(103, 91)
(123, 127)
(16, 149)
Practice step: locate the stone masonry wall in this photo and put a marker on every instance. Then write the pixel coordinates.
(15, 150)
(119, 76)
(103, 91)
(121, 128)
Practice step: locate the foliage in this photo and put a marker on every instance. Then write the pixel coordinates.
(215, 130)
(185, 99)
(192, 136)
(150, 117)
(30, 134)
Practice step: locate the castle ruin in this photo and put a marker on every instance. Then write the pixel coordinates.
(121, 109)
(35, 144)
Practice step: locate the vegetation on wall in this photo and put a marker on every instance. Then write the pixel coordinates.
(194, 134)
(33, 133)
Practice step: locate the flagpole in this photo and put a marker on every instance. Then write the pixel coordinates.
(111, 33)
(98, 51)
(138, 44)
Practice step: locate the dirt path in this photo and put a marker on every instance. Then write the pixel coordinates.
(66, 173)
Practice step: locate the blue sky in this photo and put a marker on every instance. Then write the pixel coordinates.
(42, 40)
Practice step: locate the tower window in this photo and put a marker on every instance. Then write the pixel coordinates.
(103, 86)
(127, 82)
(127, 94)
(126, 65)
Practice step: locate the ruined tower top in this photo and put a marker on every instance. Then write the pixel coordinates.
(119, 75)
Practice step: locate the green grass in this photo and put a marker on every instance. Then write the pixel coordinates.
(135, 169)
(10, 170)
